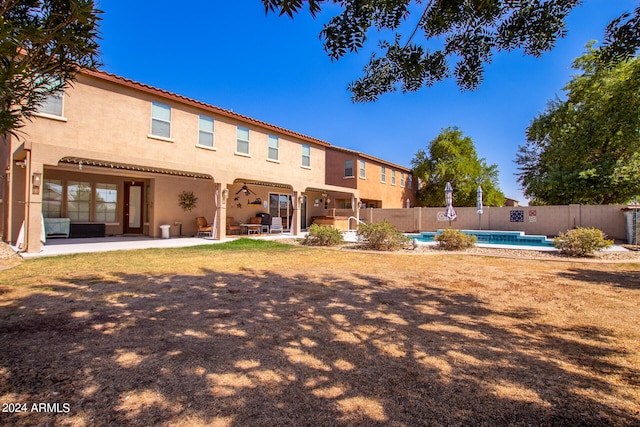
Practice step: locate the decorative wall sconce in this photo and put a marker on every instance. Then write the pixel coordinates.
(36, 179)
(225, 194)
(36, 182)
(21, 163)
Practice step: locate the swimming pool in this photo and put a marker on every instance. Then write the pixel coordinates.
(515, 238)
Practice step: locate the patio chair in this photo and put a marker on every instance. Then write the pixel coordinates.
(232, 227)
(276, 224)
(204, 228)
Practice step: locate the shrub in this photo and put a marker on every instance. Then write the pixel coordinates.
(382, 236)
(454, 240)
(319, 235)
(581, 241)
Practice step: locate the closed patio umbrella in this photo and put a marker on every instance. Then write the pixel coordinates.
(449, 212)
(479, 206)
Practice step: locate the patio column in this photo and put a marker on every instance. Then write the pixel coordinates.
(295, 230)
(222, 192)
(33, 227)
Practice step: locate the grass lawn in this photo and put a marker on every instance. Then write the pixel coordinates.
(266, 334)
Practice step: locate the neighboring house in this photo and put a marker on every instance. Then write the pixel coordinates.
(379, 183)
(111, 156)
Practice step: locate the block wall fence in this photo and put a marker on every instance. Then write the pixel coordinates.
(538, 220)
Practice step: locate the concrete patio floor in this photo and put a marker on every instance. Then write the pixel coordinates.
(62, 246)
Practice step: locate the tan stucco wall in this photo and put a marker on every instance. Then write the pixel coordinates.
(370, 188)
(392, 196)
(335, 168)
(538, 220)
(165, 208)
(111, 122)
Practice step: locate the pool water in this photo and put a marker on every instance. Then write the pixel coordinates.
(516, 238)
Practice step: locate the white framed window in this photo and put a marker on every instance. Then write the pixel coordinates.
(242, 140)
(363, 169)
(106, 202)
(272, 150)
(52, 105)
(306, 155)
(52, 192)
(78, 200)
(402, 179)
(348, 168)
(410, 181)
(383, 174)
(393, 177)
(205, 131)
(160, 120)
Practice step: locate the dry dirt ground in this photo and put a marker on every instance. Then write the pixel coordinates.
(314, 337)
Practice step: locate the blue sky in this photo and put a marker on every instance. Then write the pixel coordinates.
(232, 55)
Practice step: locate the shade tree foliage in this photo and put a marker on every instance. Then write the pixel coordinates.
(452, 157)
(42, 46)
(422, 42)
(586, 148)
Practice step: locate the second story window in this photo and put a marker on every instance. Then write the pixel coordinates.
(52, 103)
(306, 155)
(363, 170)
(410, 181)
(393, 177)
(272, 153)
(160, 120)
(348, 168)
(205, 131)
(242, 140)
(402, 179)
(383, 174)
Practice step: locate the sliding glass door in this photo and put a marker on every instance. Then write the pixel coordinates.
(279, 206)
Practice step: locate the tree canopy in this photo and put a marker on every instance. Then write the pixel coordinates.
(464, 32)
(452, 157)
(42, 46)
(586, 149)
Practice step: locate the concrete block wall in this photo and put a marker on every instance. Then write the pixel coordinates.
(533, 220)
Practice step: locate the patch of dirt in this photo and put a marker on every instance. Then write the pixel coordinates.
(8, 257)
(631, 254)
(318, 337)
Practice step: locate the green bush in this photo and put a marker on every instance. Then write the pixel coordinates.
(319, 235)
(454, 240)
(382, 236)
(581, 241)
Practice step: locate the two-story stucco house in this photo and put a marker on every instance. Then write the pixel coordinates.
(110, 156)
(380, 184)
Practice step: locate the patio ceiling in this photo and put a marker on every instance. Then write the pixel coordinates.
(137, 168)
